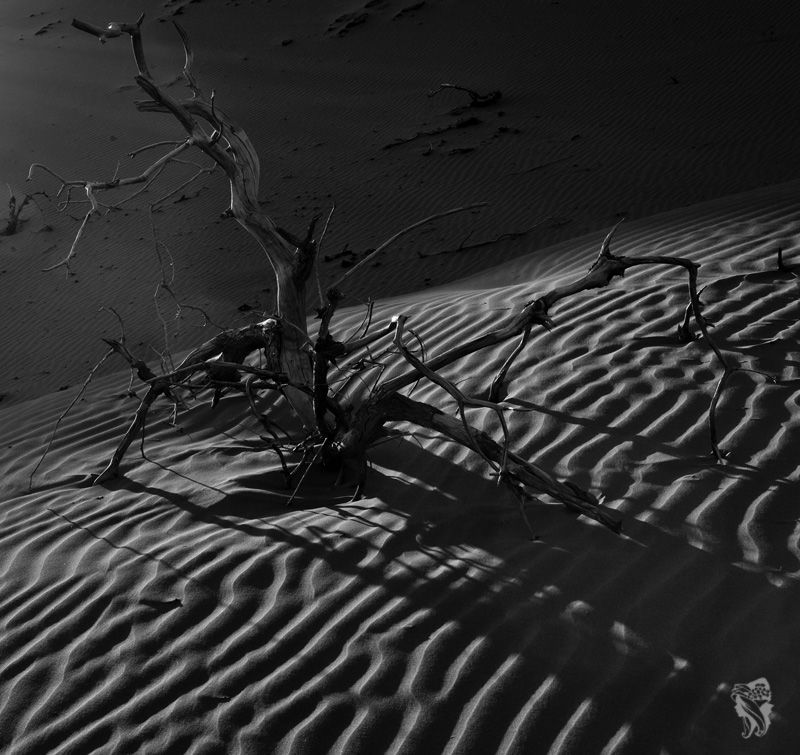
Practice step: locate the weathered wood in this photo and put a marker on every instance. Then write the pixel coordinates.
(606, 267)
(136, 426)
(398, 408)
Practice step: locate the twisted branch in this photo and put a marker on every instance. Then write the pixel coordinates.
(606, 267)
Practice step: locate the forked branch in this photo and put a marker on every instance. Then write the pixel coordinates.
(517, 471)
(91, 187)
(606, 267)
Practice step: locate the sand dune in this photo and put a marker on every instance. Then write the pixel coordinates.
(186, 608)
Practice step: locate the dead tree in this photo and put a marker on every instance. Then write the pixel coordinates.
(339, 426)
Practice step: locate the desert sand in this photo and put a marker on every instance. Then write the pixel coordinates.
(185, 608)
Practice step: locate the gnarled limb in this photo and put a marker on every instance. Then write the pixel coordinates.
(606, 267)
(117, 29)
(398, 408)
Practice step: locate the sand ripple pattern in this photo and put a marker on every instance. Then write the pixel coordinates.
(184, 609)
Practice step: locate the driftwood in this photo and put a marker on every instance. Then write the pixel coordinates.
(278, 357)
(475, 99)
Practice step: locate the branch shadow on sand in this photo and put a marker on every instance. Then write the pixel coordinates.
(440, 597)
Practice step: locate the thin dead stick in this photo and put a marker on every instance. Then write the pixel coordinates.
(248, 391)
(188, 76)
(348, 347)
(64, 414)
(352, 374)
(32, 197)
(157, 385)
(200, 172)
(155, 145)
(65, 262)
(518, 495)
(116, 29)
(322, 358)
(422, 359)
(403, 232)
(319, 253)
(464, 247)
(140, 190)
(365, 322)
(499, 381)
(116, 314)
(462, 400)
(463, 123)
(164, 283)
(305, 472)
(92, 186)
(63, 206)
(116, 182)
(137, 424)
(273, 445)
